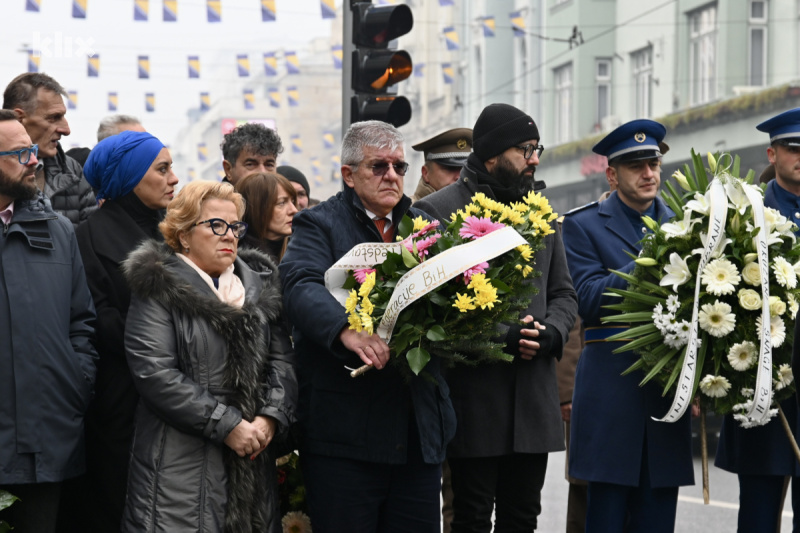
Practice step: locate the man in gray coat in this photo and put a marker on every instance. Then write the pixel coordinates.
(508, 414)
(47, 360)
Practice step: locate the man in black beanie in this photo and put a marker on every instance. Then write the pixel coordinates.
(299, 182)
(508, 415)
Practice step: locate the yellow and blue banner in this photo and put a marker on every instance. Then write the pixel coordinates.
(202, 152)
(33, 5)
(141, 9)
(292, 64)
(34, 60)
(297, 144)
(448, 72)
(194, 66)
(214, 10)
(488, 24)
(445, 3)
(328, 139)
(113, 101)
(150, 102)
(79, 9)
(72, 99)
(337, 53)
(336, 167)
(274, 96)
(387, 2)
(270, 64)
(293, 95)
(249, 99)
(451, 37)
(144, 67)
(243, 65)
(517, 23)
(205, 101)
(268, 12)
(328, 9)
(170, 10)
(419, 70)
(192, 173)
(93, 66)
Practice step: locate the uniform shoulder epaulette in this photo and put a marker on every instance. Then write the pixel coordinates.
(579, 209)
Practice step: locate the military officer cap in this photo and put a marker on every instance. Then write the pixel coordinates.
(450, 148)
(783, 129)
(634, 140)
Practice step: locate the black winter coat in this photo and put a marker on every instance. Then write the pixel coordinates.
(201, 366)
(365, 418)
(68, 191)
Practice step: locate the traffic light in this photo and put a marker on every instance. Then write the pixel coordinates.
(376, 67)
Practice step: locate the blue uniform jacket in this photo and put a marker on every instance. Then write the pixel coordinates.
(611, 414)
(762, 450)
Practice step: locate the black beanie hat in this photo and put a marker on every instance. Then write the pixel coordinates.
(292, 174)
(500, 127)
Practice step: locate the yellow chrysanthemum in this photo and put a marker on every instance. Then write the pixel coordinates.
(366, 322)
(527, 271)
(486, 297)
(366, 306)
(464, 302)
(355, 322)
(352, 301)
(477, 197)
(525, 251)
(367, 286)
(519, 207)
(472, 209)
(477, 282)
(419, 223)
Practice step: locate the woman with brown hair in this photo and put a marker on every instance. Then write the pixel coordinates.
(271, 204)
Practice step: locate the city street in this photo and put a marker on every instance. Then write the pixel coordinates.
(693, 517)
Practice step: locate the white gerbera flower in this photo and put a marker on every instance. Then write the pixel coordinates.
(717, 318)
(784, 272)
(715, 386)
(677, 271)
(296, 522)
(785, 377)
(777, 330)
(747, 392)
(742, 355)
(720, 277)
(673, 304)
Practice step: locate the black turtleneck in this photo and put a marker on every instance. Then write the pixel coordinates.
(271, 248)
(147, 219)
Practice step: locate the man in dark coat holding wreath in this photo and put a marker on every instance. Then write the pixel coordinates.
(508, 415)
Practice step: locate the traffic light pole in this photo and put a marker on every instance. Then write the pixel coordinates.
(347, 63)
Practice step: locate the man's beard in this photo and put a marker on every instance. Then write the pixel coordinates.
(507, 175)
(18, 190)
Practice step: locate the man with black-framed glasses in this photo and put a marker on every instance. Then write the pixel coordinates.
(371, 448)
(47, 360)
(508, 416)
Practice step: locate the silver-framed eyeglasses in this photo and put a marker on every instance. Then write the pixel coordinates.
(528, 149)
(220, 227)
(380, 169)
(24, 154)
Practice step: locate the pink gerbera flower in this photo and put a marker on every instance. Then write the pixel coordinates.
(426, 229)
(424, 244)
(361, 274)
(475, 228)
(480, 268)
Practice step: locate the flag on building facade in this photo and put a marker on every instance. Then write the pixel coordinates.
(170, 10)
(328, 9)
(270, 64)
(268, 13)
(243, 65)
(274, 96)
(150, 102)
(293, 95)
(328, 139)
(297, 144)
(451, 38)
(141, 9)
(448, 72)
(214, 10)
(72, 99)
(93, 66)
(194, 66)
(202, 152)
(143, 64)
(192, 173)
(33, 5)
(292, 64)
(517, 23)
(488, 24)
(205, 101)
(336, 52)
(419, 70)
(79, 9)
(34, 60)
(113, 101)
(249, 99)
(445, 3)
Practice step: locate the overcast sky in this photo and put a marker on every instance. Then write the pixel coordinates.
(110, 32)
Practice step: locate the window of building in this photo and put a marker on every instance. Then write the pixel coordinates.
(642, 65)
(602, 77)
(563, 103)
(703, 54)
(757, 43)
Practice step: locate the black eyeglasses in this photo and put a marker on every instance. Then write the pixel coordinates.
(24, 154)
(380, 169)
(220, 227)
(528, 149)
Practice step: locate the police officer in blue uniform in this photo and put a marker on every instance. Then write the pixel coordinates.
(634, 465)
(762, 456)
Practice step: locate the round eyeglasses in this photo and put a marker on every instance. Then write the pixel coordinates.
(528, 149)
(24, 154)
(220, 227)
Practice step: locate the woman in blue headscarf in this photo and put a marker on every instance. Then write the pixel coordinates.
(132, 173)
